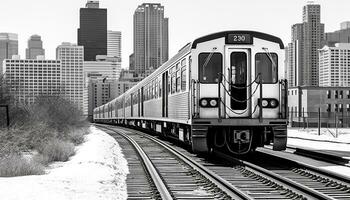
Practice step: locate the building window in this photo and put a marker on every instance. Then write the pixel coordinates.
(336, 94)
(348, 107)
(340, 107)
(329, 94)
(335, 107)
(341, 94)
(329, 107)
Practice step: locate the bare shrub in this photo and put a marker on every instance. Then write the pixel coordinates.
(57, 112)
(56, 150)
(15, 165)
(76, 135)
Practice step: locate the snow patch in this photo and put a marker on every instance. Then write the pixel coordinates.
(98, 170)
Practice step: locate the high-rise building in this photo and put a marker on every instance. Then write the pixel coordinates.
(31, 78)
(8, 47)
(104, 68)
(295, 56)
(92, 33)
(150, 37)
(114, 44)
(35, 47)
(340, 36)
(307, 37)
(313, 37)
(335, 65)
(132, 62)
(72, 75)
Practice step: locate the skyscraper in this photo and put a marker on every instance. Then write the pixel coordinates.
(8, 47)
(340, 36)
(150, 37)
(35, 47)
(313, 38)
(72, 75)
(92, 33)
(114, 44)
(307, 38)
(104, 68)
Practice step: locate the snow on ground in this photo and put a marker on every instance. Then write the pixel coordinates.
(98, 170)
(309, 138)
(326, 140)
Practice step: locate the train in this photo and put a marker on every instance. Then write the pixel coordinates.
(224, 91)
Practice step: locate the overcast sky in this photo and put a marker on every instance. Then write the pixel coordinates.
(57, 20)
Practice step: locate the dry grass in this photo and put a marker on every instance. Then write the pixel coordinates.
(56, 150)
(51, 126)
(76, 135)
(16, 165)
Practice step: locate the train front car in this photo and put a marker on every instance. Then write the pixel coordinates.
(239, 94)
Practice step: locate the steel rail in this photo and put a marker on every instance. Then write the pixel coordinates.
(309, 191)
(160, 185)
(221, 183)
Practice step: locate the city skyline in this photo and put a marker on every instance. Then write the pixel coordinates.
(56, 26)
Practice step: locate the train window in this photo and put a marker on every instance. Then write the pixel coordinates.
(178, 83)
(183, 62)
(266, 65)
(239, 68)
(210, 66)
(173, 82)
(183, 78)
(156, 89)
(152, 89)
(160, 87)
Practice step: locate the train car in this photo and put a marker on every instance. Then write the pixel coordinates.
(224, 91)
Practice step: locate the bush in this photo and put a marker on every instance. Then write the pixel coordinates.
(76, 135)
(56, 150)
(16, 165)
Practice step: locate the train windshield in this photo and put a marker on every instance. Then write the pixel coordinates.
(266, 65)
(210, 67)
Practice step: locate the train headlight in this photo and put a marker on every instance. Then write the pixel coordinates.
(213, 103)
(273, 103)
(204, 102)
(264, 103)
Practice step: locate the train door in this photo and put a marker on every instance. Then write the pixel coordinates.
(165, 93)
(138, 103)
(131, 105)
(237, 70)
(142, 102)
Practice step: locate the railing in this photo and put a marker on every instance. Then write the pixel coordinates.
(283, 98)
(195, 98)
(323, 119)
(222, 84)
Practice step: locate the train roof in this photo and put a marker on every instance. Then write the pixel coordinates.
(225, 34)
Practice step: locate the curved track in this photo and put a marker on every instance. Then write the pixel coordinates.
(230, 178)
(177, 177)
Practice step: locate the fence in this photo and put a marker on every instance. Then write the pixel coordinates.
(324, 119)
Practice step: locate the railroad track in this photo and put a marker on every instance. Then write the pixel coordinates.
(329, 185)
(186, 176)
(171, 174)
